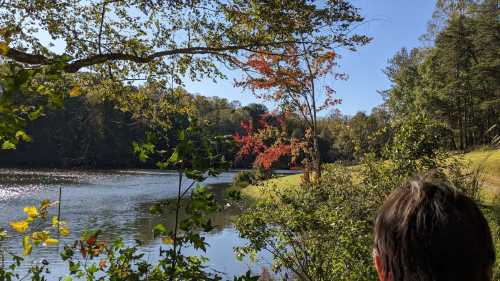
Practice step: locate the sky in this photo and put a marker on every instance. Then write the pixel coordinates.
(393, 24)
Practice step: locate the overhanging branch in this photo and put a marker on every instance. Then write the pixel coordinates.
(76, 65)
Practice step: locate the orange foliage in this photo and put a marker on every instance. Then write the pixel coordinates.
(266, 140)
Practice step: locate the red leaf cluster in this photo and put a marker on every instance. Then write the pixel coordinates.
(271, 155)
(266, 140)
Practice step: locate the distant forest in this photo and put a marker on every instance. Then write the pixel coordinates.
(453, 82)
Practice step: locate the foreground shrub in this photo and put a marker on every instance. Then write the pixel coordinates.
(315, 233)
(324, 231)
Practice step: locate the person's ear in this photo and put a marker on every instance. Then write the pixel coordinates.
(377, 261)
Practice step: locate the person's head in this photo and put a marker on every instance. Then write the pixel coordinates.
(428, 231)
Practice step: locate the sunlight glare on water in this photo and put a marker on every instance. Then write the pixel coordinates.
(116, 202)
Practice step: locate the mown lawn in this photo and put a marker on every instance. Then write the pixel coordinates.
(487, 160)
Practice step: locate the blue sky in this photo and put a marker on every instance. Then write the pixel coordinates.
(393, 24)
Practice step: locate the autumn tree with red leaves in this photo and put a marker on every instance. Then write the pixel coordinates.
(267, 140)
(295, 80)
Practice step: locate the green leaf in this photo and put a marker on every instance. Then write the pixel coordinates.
(74, 267)
(3, 233)
(67, 253)
(207, 226)
(21, 135)
(162, 165)
(195, 175)
(155, 209)
(92, 269)
(182, 135)
(118, 243)
(159, 229)
(143, 150)
(8, 145)
(174, 158)
(33, 115)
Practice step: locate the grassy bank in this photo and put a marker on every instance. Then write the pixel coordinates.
(254, 192)
(487, 160)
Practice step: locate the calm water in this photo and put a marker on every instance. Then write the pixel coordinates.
(116, 202)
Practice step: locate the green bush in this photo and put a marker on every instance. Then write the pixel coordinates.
(324, 232)
(243, 179)
(315, 233)
(261, 174)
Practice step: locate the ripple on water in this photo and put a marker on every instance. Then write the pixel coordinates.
(10, 191)
(15, 183)
(117, 202)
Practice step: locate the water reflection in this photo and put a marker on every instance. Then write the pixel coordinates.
(117, 202)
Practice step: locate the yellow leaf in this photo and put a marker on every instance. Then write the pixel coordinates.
(64, 231)
(167, 240)
(39, 236)
(61, 225)
(3, 233)
(50, 241)
(75, 91)
(45, 203)
(19, 226)
(27, 247)
(31, 211)
(44, 206)
(54, 221)
(4, 48)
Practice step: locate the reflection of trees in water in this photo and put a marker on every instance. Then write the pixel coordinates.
(144, 222)
(14, 179)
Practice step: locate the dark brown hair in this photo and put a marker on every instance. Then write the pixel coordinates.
(429, 231)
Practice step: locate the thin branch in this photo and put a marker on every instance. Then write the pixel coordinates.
(176, 227)
(99, 36)
(187, 189)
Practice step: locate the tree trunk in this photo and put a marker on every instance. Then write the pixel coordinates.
(317, 157)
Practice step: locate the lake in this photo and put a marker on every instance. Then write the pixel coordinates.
(117, 202)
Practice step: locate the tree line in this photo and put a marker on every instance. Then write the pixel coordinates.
(456, 80)
(452, 81)
(95, 132)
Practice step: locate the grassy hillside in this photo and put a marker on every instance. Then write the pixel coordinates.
(487, 160)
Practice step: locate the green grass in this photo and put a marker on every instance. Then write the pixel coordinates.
(282, 183)
(488, 160)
